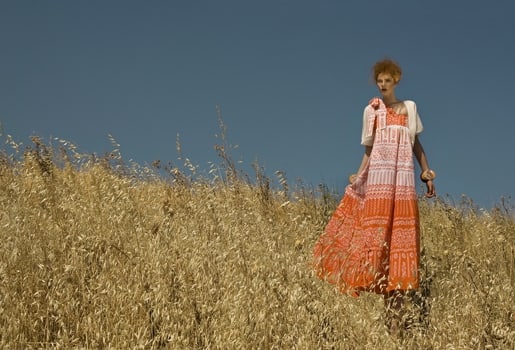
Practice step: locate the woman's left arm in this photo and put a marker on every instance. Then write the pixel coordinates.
(424, 165)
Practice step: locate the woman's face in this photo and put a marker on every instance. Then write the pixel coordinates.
(386, 84)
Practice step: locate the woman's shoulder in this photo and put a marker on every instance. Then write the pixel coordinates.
(411, 106)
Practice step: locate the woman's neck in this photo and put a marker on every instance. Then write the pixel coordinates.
(390, 100)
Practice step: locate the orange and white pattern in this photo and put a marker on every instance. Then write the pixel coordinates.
(372, 241)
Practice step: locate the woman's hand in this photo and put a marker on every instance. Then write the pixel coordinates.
(431, 192)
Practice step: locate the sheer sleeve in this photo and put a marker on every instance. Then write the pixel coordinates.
(367, 138)
(414, 122)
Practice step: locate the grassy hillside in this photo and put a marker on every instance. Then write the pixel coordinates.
(95, 253)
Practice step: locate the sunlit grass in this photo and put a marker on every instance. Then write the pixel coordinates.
(97, 253)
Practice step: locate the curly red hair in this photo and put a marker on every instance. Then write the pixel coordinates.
(387, 66)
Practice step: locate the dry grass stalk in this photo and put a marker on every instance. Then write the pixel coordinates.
(95, 255)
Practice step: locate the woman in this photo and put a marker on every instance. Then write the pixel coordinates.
(372, 241)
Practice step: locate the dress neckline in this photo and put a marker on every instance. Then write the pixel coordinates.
(394, 112)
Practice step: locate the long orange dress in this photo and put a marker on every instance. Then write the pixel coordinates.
(372, 241)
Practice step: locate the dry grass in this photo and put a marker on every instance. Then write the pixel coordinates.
(99, 254)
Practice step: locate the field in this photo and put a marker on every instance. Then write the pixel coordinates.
(97, 253)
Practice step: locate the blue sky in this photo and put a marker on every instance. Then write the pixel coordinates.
(291, 78)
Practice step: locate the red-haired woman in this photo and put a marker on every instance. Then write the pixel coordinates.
(372, 241)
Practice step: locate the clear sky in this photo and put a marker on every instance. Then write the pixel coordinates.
(291, 77)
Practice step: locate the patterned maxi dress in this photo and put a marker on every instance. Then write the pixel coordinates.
(372, 241)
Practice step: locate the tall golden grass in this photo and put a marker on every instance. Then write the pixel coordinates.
(97, 253)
